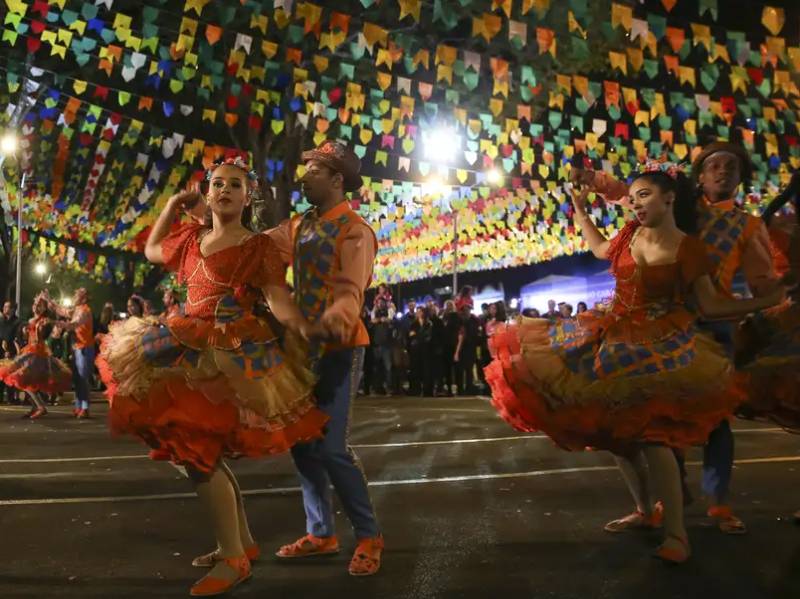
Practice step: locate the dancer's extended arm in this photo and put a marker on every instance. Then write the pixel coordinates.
(714, 305)
(594, 238)
(286, 311)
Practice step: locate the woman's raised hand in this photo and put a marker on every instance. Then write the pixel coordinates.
(581, 177)
(189, 200)
(580, 199)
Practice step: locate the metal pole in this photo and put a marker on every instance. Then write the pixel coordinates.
(455, 252)
(19, 243)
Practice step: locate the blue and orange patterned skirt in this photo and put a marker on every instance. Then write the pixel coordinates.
(36, 370)
(197, 390)
(613, 382)
(768, 351)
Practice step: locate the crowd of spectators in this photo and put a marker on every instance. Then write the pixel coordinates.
(435, 348)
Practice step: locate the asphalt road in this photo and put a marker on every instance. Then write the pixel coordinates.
(469, 508)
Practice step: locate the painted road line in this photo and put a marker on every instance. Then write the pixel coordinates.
(355, 446)
(380, 483)
(101, 458)
(446, 442)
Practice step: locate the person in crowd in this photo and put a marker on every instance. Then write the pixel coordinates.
(531, 313)
(382, 319)
(451, 326)
(420, 351)
(552, 313)
(466, 353)
(172, 303)
(403, 369)
(582, 307)
(367, 376)
(136, 306)
(487, 312)
(384, 293)
(105, 319)
(35, 370)
(464, 297)
(148, 310)
(436, 347)
(9, 333)
(565, 310)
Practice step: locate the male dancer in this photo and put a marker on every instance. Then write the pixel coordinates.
(332, 251)
(80, 325)
(737, 242)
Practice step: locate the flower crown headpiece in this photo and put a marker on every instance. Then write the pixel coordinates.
(42, 296)
(239, 163)
(671, 169)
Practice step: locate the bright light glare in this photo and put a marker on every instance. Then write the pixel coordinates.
(494, 176)
(8, 144)
(66, 302)
(441, 145)
(436, 186)
(513, 303)
(40, 268)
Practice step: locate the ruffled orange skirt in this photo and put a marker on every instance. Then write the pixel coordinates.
(197, 405)
(769, 351)
(36, 370)
(586, 391)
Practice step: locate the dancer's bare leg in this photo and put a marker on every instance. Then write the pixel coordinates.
(218, 497)
(665, 474)
(634, 472)
(633, 467)
(244, 528)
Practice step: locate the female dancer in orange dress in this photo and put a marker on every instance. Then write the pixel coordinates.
(637, 379)
(35, 370)
(215, 382)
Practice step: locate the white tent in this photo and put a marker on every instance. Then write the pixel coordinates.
(569, 289)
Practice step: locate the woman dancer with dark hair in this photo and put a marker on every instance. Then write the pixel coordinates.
(215, 383)
(637, 380)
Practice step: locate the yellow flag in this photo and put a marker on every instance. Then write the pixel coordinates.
(773, 19)
(409, 8)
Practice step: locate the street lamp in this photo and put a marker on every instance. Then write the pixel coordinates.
(494, 178)
(440, 145)
(40, 269)
(8, 147)
(8, 144)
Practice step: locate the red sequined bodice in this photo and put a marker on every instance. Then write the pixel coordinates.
(238, 270)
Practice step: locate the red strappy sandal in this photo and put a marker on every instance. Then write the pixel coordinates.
(637, 521)
(209, 586)
(726, 520)
(309, 546)
(674, 555)
(367, 557)
(209, 560)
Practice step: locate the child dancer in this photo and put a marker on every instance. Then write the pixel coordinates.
(35, 370)
(638, 379)
(214, 383)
